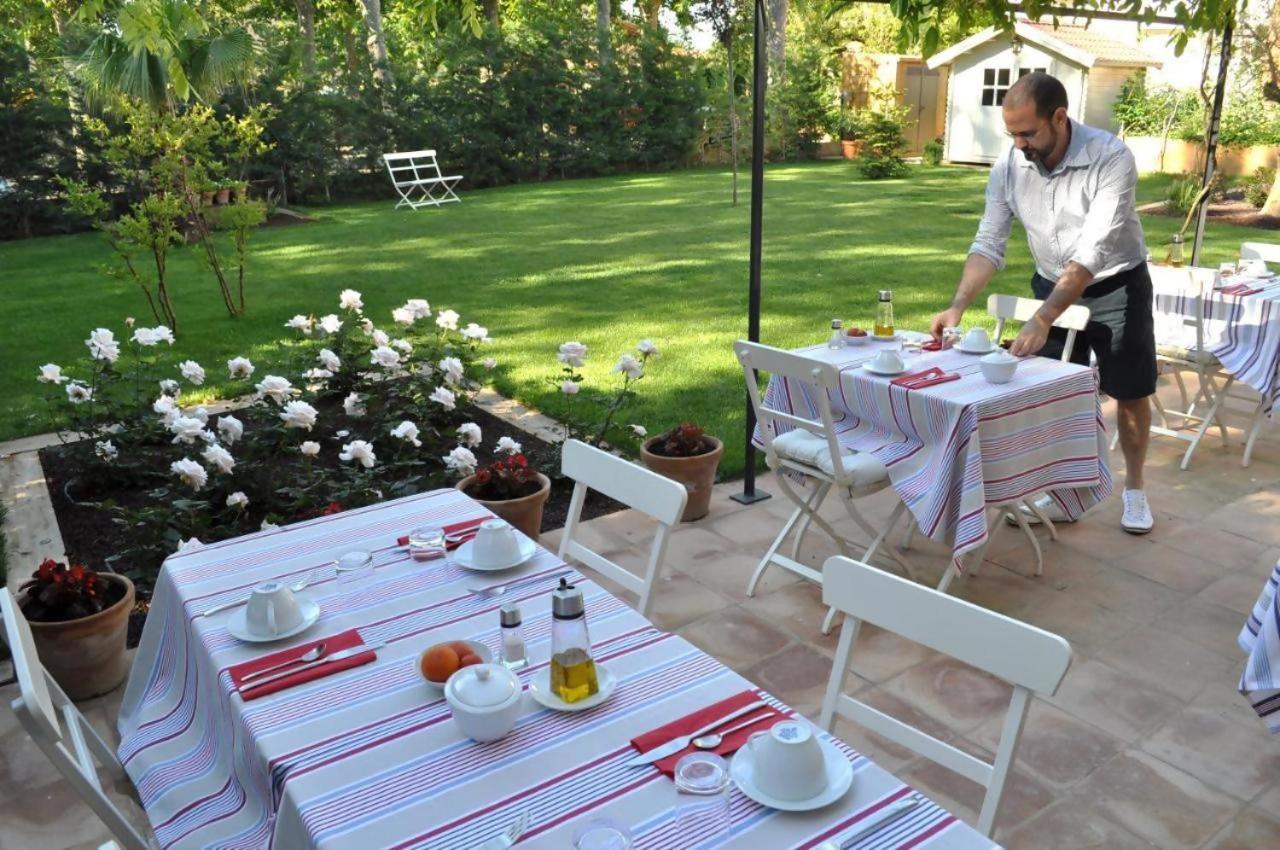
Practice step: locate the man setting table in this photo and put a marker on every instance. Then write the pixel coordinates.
(1073, 191)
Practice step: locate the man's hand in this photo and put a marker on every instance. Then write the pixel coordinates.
(948, 318)
(1033, 336)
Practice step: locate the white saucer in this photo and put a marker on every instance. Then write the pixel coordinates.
(963, 350)
(839, 779)
(462, 555)
(239, 629)
(875, 338)
(540, 690)
(871, 367)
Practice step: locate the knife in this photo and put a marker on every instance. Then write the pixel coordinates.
(328, 659)
(887, 816)
(675, 745)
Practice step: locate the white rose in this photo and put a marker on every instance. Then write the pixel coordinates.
(360, 451)
(330, 324)
(349, 299)
(144, 337)
(406, 431)
(490, 364)
(309, 448)
(573, 354)
(51, 373)
(569, 388)
(78, 393)
(166, 407)
(351, 404)
(239, 367)
(647, 348)
(276, 388)
(639, 430)
(298, 414)
(447, 320)
(469, 434)
(476, 332)
(402, 345)
(380, 338)
(403, 316)
(192, 371)
(129, 320)
(317, 375)
(343, 433)
(191, 544)
(366, 325)
(106, 450)
(444, 398)
(300, 323)
(191, 473)
(419, 307)
(162, 333)
(219, 458)
(103, 346)
(629, 366)
(268, 526)
(461, 461)
(329, 360)
(237, 500)
(201, 414)
(186, 429)
(170, 387)
(387, 358)
(508, 446)
(452, 369)
(230, 428)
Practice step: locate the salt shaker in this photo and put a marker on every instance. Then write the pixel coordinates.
(513, 650)
(837, 335)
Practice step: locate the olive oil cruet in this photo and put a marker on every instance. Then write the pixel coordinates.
(573, 672)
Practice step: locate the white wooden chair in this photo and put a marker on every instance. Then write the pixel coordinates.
(660, 498)
(418, 180)
(61, 731)
(810, 449)
(1268, 253)
(1030, 659)
(1265, 251)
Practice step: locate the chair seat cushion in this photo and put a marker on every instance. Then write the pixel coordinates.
(1188, 355)
(810, 449)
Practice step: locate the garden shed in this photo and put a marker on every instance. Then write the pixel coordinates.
(1091, 65)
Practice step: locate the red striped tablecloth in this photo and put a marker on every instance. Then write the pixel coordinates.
(954, 449)
(368, 758)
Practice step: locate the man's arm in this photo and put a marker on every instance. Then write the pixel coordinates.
(978, 271)
(986, 254)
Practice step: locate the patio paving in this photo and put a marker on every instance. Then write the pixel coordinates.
(1146, 745)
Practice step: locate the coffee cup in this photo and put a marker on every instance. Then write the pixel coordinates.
(977, 339)
(788, 763)
(272, 610)
(1253, 267)
(495, 543)
(888, 361)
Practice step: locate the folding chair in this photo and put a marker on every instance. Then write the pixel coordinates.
(809, 449)
(1268, 253)
(42, 708)
(658, 497)
(1030, 659)
(418, 180)
(1265, 251)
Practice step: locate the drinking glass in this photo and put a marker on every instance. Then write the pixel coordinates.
(704, 785)
(602, 834)
(354, 566)
(426, 542)
(1226, 269)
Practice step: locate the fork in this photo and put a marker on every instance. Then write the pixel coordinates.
(509, 836)
(498, 589)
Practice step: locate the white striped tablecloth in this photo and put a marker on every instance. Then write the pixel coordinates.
(953, 449)
(1260, 639)
(369, 758)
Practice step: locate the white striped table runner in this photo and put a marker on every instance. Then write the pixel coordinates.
(1260, 639)
(368, 758)
(953, 449)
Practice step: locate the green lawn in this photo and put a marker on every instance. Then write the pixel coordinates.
(606, 261)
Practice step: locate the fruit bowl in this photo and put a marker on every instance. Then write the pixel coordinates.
(856, 336)
(448, 657)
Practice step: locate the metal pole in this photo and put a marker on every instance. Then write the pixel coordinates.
(1211, 142)
(749, 492)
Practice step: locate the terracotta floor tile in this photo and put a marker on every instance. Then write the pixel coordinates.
(1213, 545)
(1071, 825)
(729, 573)
(1211, 626)
(1179, 570)
(1132, 595)
(1055, 747)
(1255, 516)
(797, 609)
(735, 637)
(1164, 658)
(880, 655)
(1218, 750)
(679, 600)
(1086, 625)
(690, 545)
(1168, 807)
(959, 696)
(797, 675)
(751, 530)
(1237, 591)
(890, 755)
(1113, 701)
(1249, 830)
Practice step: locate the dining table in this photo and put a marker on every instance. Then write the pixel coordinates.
(370, 757)
(955, 449)
(1260, 640)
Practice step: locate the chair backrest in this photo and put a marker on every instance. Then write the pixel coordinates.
(660, 498)
(43, 708)
(1006, 307)
(809, 382)
(1265, 251)
(408, 166)
(1030, 659)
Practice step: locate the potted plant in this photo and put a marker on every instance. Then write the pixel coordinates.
(79, 621)
(849, 127)
(688, 455)
(513, 490)
(223, 195)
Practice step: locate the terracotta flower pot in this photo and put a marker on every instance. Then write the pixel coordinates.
(223, 196)
(697, 474)
(86, 656)
(525, 513)
(850, 148)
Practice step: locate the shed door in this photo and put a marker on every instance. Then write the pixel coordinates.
(921, 95)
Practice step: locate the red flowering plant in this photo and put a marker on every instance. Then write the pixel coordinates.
(684, 440)
(509, 477)
(57, 592)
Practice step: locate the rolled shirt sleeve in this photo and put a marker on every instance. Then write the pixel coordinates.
(1106, 221)
(997, 219)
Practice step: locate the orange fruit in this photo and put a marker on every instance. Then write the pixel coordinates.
(461, 647)
(468, 660)
(440, 662)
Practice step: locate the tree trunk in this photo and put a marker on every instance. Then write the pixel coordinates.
(733, 118)
(777, 40)
(352, 58)
(493, 13)
(651, 10)
(376, 42)
(307, 23)
(603, 16)
(1272, 207)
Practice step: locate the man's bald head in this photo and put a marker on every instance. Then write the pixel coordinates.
(1046, 92)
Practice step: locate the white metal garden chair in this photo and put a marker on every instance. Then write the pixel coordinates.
(658, 497)
(808, 448)
(61, 731)
(1030, 659)
(418, 180)
(1265, 251)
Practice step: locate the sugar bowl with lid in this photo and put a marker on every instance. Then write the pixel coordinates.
(485, 701)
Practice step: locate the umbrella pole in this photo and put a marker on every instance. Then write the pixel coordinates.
(1211, 143)
(749, 492)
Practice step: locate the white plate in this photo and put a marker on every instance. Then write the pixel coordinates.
(540, 690)
(462, 555)
(239, 629)
(873, 369)
(884, 338)
(963, 350)
(839, 779)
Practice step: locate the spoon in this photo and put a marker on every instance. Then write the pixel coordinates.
(715, 739)
(315, 653)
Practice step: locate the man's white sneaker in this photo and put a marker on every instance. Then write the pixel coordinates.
(1137, 517)
(1047, 506)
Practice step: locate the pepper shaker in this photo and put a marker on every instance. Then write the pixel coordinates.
(514, 655)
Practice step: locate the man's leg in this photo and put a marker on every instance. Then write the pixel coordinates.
(1133, 420)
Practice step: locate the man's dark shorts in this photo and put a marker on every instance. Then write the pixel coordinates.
(1121, 332)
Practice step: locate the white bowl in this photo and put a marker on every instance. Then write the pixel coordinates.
(486, 657)
(856, 340)
(998, 367)
(487, 718)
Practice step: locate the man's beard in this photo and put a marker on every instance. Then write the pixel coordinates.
(1034, 154)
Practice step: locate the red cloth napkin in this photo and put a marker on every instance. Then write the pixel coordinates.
(931, 345)
(464, 531)
(687, 724)
(1240, 289)
(927, 378)
(334, 643)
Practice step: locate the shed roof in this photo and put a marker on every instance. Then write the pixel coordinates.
(1081, 45)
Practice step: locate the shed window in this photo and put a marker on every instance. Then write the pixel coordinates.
(996, 81)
